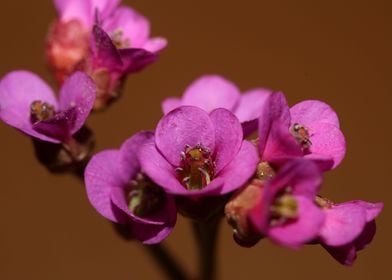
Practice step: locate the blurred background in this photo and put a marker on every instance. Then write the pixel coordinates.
(336, 51)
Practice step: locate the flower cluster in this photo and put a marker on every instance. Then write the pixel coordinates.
(269, 186)
(216, 152)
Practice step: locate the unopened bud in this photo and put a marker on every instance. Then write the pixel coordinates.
(237, 212)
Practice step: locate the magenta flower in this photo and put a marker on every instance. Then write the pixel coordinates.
(197, 153)
(120, 191)
(349, 227)
(310, 129)
(287, 212)
(105, 40)
(212, 91)
(28, 104)
(69, 37)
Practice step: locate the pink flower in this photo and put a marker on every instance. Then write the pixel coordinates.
(28, 104)
(349, 227)
(105, 40)
(309, 129)
(286, 212)
(212, 91)
(120, 191)
(197, 153)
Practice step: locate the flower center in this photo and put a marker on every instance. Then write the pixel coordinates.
(197, 168)
(118, 41)
(302, 136)
(144, 197)
(264, 171)
(41, 111)
(284, 208)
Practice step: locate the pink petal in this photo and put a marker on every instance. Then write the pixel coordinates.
(228, 137)
(240, 169)
(75, 9)
(18, 90)
(311, 111)
(212, 92)
(302, 230)
(103, 174)
(274, 109)
(327, 140)
(155, 45)
(78, 92)
(104, 7)
(183, 126)
(251, 103)
(344, 223)
(135, 60)
(170, 104)
(151, 234)
(104, 52)
(135, 27)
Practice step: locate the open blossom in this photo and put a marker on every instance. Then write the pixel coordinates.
(196, 153)
(349, 227)
(102, 38)
(28, 104)
(120, 191)
(309, 129)
(286, 211)
(212, 91)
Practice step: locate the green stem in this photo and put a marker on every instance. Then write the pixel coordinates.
(206, 233)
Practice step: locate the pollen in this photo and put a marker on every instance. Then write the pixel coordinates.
(41, 111)
(197, 168)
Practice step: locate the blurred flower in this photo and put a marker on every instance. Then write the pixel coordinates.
(349, 227)
(195, 153)
(105, 40)
(310, 129)
(120, 191)
(286, 211)
(212, 91)
(28, 104)
(68, 40)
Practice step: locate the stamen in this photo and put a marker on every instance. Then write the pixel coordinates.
(197, 167)
(118, 41)
(284, 208)
(144, 197)
(41, 111)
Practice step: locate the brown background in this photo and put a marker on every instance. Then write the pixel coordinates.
(337, 51)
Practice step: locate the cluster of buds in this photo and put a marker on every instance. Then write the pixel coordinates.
(200, 160)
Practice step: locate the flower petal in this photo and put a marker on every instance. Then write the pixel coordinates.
(280, 145)
(103, 174)
(251, 104)
(240, 169)
(311, 111)
(274, 109)
(212, 92)
(302, 230)
(151, 234)
(183, 126)
(155, 45)
(18, 90)
(104, 52)
(104, 7)
(346, 255)
(170, 104)
(327, 140)
(228, 137)
(130, 148)
(134, 60)
(75, 9)
(344, 223)
(159, 169)
(78, 92)
(134, 26)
